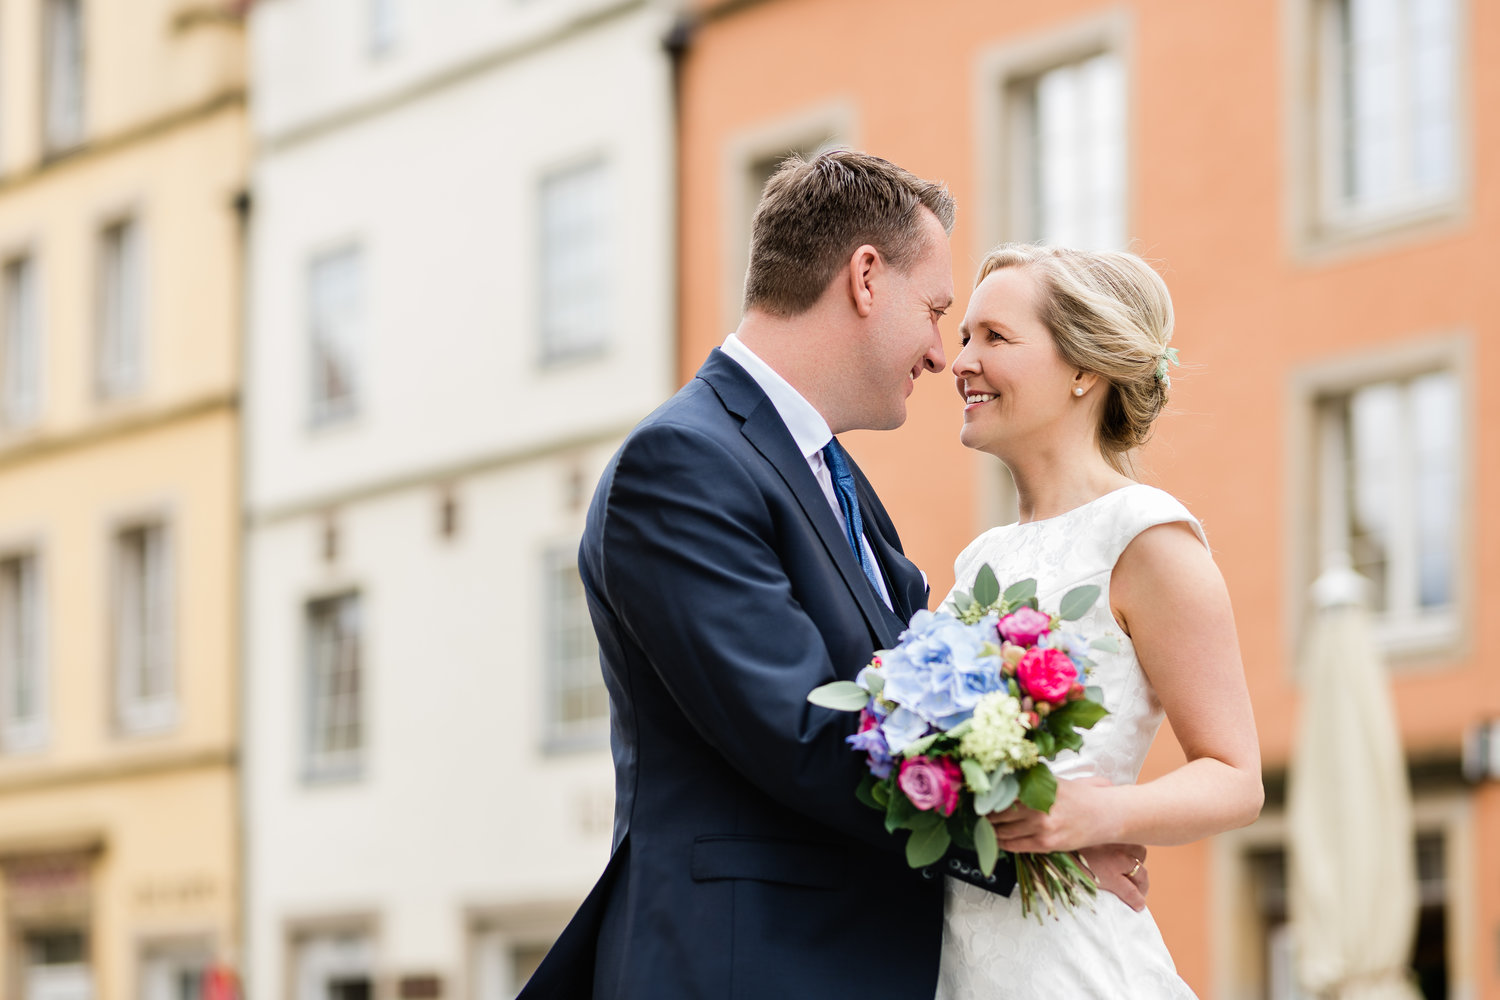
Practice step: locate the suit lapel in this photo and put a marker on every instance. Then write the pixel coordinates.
(764, 429)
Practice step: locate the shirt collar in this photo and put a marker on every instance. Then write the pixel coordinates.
(807, 426)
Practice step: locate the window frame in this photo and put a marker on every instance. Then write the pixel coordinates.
(23, 416)
(551, 352)
(1308, 478)
(152, 714)
(560, 734)
(1318, 228)
(25, 734)
(56, 141)
(120, 322)
(321, 766)
(347, 345)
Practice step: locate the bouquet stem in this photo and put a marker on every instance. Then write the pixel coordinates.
(1051, 882)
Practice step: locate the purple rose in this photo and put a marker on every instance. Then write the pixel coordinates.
(1025, 626)
(931, 783)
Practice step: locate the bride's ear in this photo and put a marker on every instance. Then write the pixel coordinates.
(1084, 383)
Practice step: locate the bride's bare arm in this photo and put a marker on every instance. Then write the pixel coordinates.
(1171, 600)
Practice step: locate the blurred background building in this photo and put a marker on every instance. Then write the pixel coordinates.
(458, 247)
(122, 153)
(460, 299)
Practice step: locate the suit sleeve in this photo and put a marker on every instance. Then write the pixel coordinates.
(689, 568)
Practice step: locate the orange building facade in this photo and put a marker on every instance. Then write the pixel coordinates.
(1319, 182)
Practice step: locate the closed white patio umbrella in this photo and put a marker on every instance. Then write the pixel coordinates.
(1352, 871)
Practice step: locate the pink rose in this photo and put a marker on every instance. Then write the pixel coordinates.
(1047, 674)
(931, 783)
(1025, 626)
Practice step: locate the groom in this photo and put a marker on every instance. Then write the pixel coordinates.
(734, 559)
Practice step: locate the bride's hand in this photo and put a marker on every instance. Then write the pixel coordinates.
(1081, 816)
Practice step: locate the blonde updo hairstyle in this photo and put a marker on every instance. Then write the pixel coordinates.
(1110, 315)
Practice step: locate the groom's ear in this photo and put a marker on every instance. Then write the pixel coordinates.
(863, 266)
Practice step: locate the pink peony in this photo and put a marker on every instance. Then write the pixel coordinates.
(931, 783)
(1047, 674)
(1025, 626)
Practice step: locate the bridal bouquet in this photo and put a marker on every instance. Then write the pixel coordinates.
(959, 720)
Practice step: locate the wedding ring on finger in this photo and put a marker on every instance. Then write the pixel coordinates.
(1138, 863)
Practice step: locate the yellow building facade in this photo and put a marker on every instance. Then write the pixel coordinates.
(123, 158)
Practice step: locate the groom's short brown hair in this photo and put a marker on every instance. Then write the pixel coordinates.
(815, 213)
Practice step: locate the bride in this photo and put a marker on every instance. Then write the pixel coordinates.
(1063, 370)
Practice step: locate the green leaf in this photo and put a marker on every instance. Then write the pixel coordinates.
(1046, 743)
(876, 680)
(1076, 602)
(974, 776)
(918, 747)
(866, 793)
(898, 812)
(986, 587)
(962, 601)
(1094, 693)
(1107, 643)
(881, 792)
(1020, 592)
(958, 829)
(1038, 788)
(1070, 740)
(925, 847)
(925, 820)
(1081, 714)
(1003, 791)
(961, 730)
(986, 845)
(841, 696)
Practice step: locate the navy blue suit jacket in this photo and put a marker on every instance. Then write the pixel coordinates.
(723, 590)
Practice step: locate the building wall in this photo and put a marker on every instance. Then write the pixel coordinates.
(1216, 181)
(164, 141)
(464, 830)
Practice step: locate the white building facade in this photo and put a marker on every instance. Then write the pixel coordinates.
(460, 300)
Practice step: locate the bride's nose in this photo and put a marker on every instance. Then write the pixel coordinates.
(965, 364)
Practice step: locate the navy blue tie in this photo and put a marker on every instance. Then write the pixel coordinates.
(854, 524)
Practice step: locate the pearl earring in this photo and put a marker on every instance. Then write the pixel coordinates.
(1078, 390)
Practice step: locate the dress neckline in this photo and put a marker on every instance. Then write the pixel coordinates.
(1083, 506)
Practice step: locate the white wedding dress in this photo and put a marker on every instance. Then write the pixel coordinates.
(989, 950)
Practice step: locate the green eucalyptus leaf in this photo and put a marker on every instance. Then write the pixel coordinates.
(974, 776)
(986, 845)
(841, 696)
(986, 587)
(876, 680)
(1107, 643)
(1020, 592)
(1038, 788)
(925, 847)
(1076, 602)
(1003, 791)
(1094, 693)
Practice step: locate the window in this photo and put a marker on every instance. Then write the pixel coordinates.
(503, 962)
(1268, 876)
(384, 24)
(578, 704)
(22, 681)
(1389, 105)
(56, 965)
(334, 966)
(145, 689)
(1389, 469)
(174, 971)
(575, 271)
(336, 320)
(1068, 142)
(121, 306)
(62, 84)
(335, 711)
(20, 345)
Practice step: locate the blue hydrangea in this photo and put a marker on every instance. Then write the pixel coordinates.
(938, 672)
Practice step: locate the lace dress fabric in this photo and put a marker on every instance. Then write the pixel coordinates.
(989, 950)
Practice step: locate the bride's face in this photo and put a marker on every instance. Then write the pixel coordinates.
(1015, 386)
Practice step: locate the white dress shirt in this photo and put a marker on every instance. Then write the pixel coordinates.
(810, 432)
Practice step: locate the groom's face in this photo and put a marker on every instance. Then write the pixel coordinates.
(906, 340)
